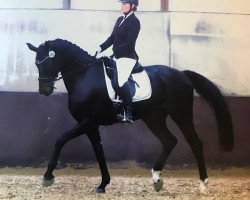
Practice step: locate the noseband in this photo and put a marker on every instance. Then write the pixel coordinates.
(53, 79)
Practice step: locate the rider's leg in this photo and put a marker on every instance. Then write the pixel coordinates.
(124, 69)
(126, 115)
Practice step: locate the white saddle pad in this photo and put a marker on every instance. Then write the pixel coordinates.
(142, 92)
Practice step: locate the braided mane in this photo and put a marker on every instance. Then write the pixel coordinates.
(67, 47)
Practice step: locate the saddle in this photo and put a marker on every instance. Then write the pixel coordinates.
(111, 70)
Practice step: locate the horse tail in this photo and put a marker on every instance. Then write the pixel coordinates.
(211, 93)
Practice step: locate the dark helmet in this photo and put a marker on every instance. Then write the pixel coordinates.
(135, 2)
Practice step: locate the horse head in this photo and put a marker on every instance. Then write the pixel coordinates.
(48, 67)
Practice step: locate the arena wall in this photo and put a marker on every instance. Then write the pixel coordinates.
(213, 44)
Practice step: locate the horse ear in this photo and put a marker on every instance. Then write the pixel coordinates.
(46, 44)
(31, 47)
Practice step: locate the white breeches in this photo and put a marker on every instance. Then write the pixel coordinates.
(124, 69)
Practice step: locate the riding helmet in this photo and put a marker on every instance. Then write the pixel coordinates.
(135, 2)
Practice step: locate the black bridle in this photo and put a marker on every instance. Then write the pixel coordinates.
(56, 78)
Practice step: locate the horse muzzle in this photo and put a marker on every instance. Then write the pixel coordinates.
(46, 88)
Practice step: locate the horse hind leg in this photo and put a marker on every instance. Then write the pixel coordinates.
(157, 124)
(185, 123)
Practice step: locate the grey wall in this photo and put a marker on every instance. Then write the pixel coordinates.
(29, 129)
(213, 44)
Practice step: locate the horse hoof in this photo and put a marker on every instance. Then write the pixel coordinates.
(158, 185)
(100, 191)
(47, 183)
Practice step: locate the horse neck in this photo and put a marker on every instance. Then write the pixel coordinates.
(74, 70)
(71, 56)
(74, 61)
(70, 72)
(69, 69)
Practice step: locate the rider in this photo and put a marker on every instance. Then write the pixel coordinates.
(123, 38)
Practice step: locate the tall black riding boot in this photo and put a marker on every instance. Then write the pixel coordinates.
(125, 94)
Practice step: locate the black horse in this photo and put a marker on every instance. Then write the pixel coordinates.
(90, 105)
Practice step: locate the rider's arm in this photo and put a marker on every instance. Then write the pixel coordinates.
(131, 38)
(111, 39)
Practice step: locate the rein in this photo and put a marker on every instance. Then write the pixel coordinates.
(55, 79)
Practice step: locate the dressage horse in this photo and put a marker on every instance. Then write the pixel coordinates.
(90, 105)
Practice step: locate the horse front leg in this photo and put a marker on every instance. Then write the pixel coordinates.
(61, 141)
(95, 139)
